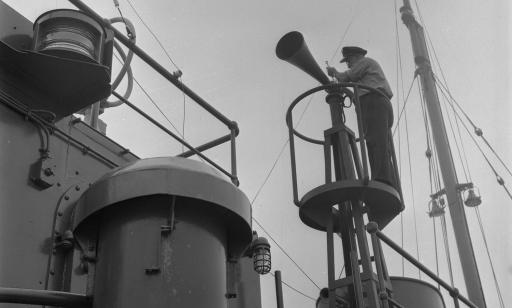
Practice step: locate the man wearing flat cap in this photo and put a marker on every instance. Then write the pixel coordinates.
(376, 110)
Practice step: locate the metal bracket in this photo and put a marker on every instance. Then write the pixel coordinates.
(43, 172)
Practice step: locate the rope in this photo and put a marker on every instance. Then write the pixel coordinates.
(477, 211)
(294, 289)
(284, 251)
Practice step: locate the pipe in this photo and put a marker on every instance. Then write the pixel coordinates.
(279, 289)
(43, 297)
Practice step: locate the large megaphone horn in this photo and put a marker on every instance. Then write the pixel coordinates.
(292, 48)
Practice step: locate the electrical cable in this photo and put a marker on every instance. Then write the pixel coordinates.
(127, 59)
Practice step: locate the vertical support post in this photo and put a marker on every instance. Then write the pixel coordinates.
(344, 169)
(380, 270)
(362, 135)
(279, 289)
(330, 263)
(234, 176)
(460, 226)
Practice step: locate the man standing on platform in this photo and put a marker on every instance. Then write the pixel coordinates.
(377, 113)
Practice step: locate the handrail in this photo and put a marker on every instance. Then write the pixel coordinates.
(154, 64)
(176, 137)
(232, 125)
(332, 88)
(375, 233)
(43, 297)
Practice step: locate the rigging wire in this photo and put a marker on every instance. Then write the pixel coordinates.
(403, 107)
(178, 72)
(263, 184)
(279, 157)
(428, 154)
(476, 129)
(153, 102)
(399, 72)
(412, 189)
(153, 34)
(343, 37)
(284, 251)
(295, 289)
(499, 179)
(477, 211)
(447, 248)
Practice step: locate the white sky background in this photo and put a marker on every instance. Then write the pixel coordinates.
(226, 52)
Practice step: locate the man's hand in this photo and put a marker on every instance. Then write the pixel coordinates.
(331, 71)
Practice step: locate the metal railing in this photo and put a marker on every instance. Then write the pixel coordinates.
(231, 125)
(353, 96)
(378, 236)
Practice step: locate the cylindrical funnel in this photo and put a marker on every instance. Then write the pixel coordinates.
(293, 49)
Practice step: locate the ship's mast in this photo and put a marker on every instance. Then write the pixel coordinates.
(455, 204)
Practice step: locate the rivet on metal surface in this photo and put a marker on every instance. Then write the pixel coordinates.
(66, 197)
(77, 188)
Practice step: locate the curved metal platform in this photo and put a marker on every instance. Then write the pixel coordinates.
(382, 202)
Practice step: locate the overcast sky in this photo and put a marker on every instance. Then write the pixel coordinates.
(226, 52)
